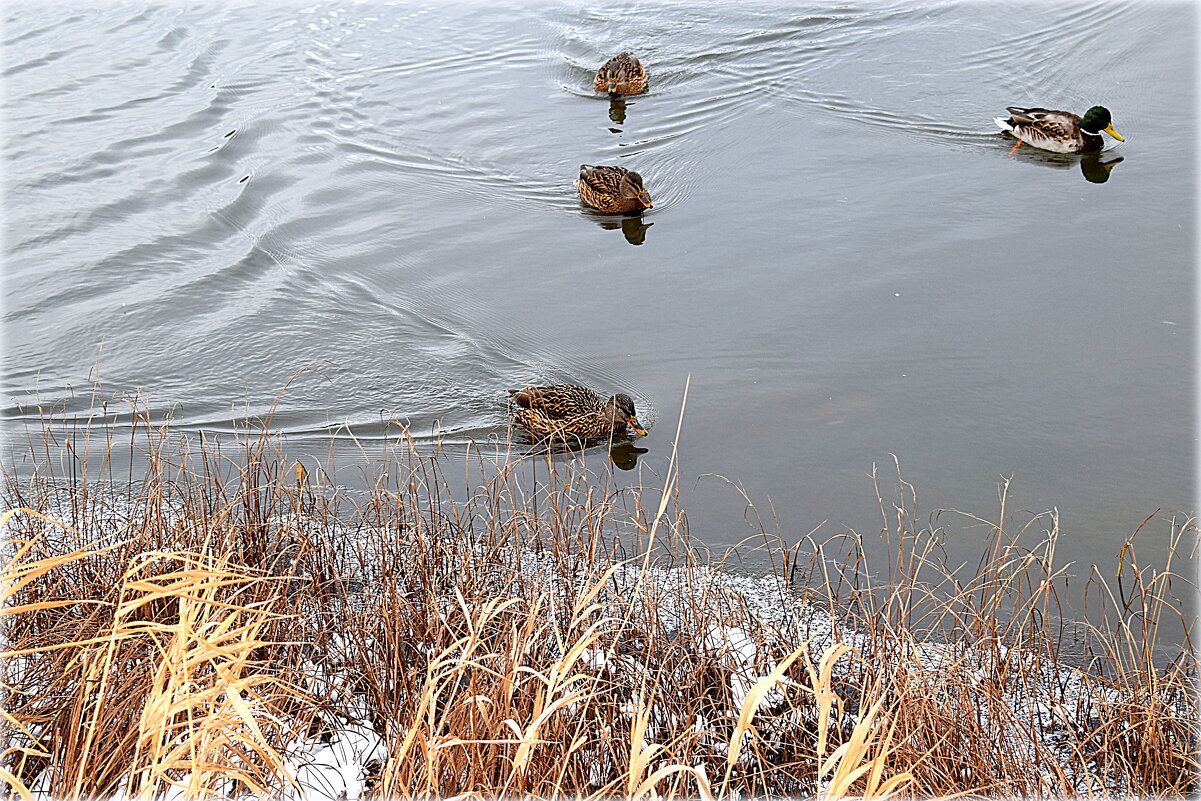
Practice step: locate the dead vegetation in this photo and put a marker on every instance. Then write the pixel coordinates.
(221, 625)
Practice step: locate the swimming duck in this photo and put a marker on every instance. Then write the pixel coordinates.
(612, 189)
(1059, 131)
(565, 411)
(621, 75)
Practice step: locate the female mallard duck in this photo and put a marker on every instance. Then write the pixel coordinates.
(563, 411)
(621, 75)
(1059, 131)
(612, 189)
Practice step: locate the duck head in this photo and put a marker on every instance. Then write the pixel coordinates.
(620, 410)
(1098, 119)
(616, 78)
(631, 187)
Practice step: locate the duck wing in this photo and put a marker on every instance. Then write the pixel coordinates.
(603, 180)
(1059, 125)
(616, 61)
(557, 401)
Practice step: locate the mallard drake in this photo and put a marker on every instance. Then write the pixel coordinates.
(612, 189)
(621, 75)
(568, 411)
(1059, 131)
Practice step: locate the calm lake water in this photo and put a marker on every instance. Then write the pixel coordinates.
(844, 254)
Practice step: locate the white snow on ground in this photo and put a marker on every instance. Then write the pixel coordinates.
(337, 768)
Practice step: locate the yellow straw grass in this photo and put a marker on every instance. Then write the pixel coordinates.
(532, 630)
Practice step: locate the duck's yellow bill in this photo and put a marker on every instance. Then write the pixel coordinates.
(638, 429)
(645, 200)
(1109, 130)
(612, 86)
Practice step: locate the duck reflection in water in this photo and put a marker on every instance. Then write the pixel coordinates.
(1094, 166)
(617, 110)
(624, 454)
(632, 226)
(1097, 171)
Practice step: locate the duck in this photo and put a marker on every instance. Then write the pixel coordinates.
(612, 189)
(1059, 131)
(621, 75)
(563, 411)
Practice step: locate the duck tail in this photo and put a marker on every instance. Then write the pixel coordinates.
(1005, 124)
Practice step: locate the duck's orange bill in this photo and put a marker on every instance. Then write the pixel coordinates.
(1109, 130)
(645, 200)
(638, 429)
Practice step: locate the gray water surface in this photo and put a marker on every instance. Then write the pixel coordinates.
(844, 254)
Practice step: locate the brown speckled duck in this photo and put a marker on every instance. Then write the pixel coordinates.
(621, 75)
(568, 411)
(612, 189)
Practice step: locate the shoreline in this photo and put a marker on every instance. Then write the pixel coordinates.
(253, 630)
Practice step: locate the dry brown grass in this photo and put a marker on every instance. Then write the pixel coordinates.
(206, 628)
